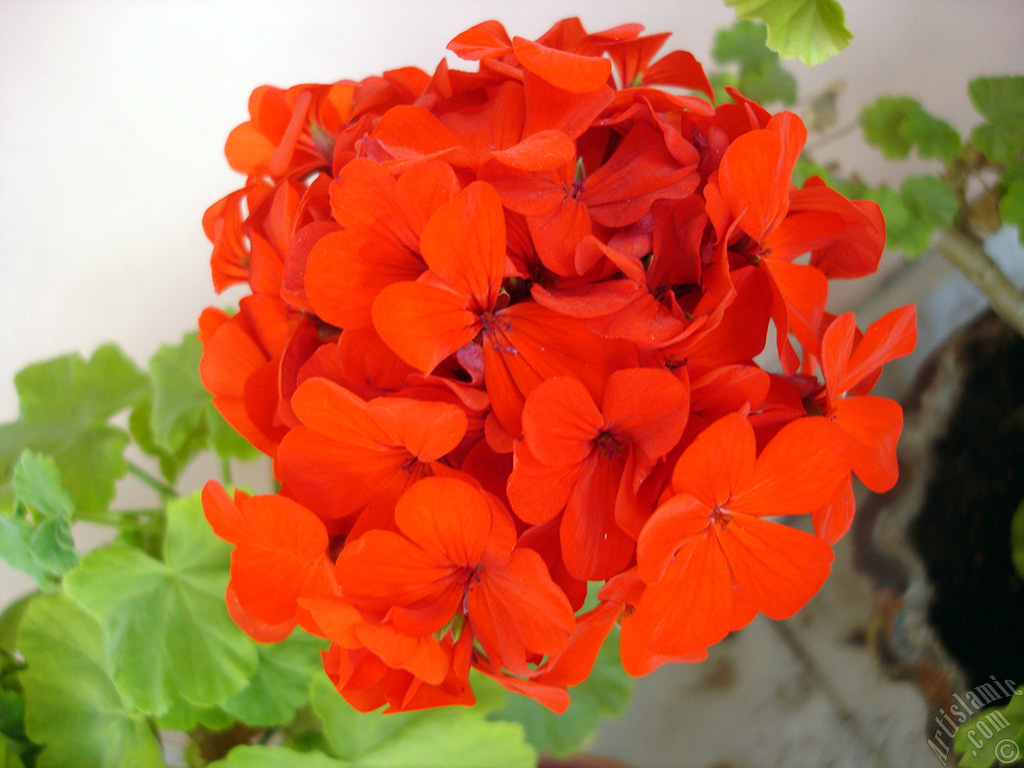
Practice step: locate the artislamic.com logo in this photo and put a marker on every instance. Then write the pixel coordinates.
(982, 731)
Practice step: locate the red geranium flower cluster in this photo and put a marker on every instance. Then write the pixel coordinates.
(500, 345)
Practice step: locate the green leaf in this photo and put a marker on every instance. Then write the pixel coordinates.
(67, 390)
(1017, 540)
(64, 405)
(1011, 207)
(761, 76)
(179, 420)
(994, 736)
(183, 716)
(72, 708)
(245, 756)
(179, 398)
(1000, 100)
(281, 683)
(168, 632)
(224, 440)
(449, 737)
(9, 754)
(922, 205)
(605, 693)
(898, 124)
(37, 485)
(90, 465)
(16, 548)
(53, 548)
(171, 463)
(10, 621)
(12, 714)
(930, 199)
(810, 30)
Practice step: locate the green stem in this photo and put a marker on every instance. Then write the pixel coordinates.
(116, 516)
(153, 482)
(964, 251)
(828, 138)
(225, 472)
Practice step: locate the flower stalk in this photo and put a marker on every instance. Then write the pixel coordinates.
(965, 251)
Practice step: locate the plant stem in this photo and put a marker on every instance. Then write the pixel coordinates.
(964, 251)
(116, 516)
(155, 483)
(828, 138)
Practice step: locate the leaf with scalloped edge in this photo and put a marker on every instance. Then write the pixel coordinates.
(994, 736)
(64, 405)
(178, 420)
(899, 124)
(1001, 101)
(72, 707)
(447, 737)
(37, 485)
(281, 682)
(16, 548)
(761, 75)
(168, 632)
(922, 205)
(810, 30)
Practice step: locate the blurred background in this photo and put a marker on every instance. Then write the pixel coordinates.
(113, 117)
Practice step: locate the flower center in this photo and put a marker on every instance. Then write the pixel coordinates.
(721, 518)
(608, 445)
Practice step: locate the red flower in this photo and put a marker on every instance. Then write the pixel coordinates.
(350, 454)
(279, 550)
(543, 285)
(751, 195)
(454, 553)
(591, 461)
(457, 299)
(710, 536)
(871, 424)
(381, 220)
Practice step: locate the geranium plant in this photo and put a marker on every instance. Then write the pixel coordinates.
(507, 344)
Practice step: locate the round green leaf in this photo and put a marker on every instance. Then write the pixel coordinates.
(72, 708)
(70, 391)
(10, 622)
(37, 484)
(65, 404)
(1001, 101)
(178, 395)
(810, 30)
(450, 737)
(761, 75)
(281, 682)
(167, 629)
(899, 124)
